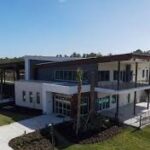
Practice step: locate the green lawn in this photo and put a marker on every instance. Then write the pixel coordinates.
(129, 139)
(9, 117)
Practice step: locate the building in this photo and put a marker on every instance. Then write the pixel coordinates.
(109, 83)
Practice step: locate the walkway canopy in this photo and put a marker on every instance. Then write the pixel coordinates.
(10, 71)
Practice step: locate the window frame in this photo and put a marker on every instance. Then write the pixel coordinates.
(24, 96)
(31, 97)
(38, 98)
(104, 75)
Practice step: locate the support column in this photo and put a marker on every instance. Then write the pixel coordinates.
(148, 91)
(92, 93)
(4, 76)
(118, 87)
(135, 94)
(148, 99)
(1, 84)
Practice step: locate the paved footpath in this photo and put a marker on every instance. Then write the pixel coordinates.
(8, 132)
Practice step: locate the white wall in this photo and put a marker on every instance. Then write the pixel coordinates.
(141, 67)
(123, 98)
(45, 90)
(47, 101)
(111, 66)
(32, 87)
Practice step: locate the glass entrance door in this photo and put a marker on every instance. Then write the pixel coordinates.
(62, 105)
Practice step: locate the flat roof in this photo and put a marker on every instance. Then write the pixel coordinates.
(100, 59)
(11, 63)
(62, 83)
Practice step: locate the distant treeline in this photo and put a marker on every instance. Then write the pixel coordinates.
(138, 51)
(9, 60)
(74, 54)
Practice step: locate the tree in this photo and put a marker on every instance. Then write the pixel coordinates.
(59, 55)
(138, 51)
(75, 55)
(79, 80)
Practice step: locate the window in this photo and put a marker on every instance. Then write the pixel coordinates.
(129, 98)
(115, 75)
(114, 99)
(62, 104)
(38, 98)
(69, 75)
(122, 75)
(85, 76)
(24, 96)
(62, 107)
(84, 105)
(103, 103)
(143, 73)
(104, 75)
(30, 97)
(147, 74)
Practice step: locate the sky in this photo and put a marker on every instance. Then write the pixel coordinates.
(51, 27)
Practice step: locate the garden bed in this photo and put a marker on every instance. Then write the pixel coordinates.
(87, 137)
(39, 140)
(65, 134)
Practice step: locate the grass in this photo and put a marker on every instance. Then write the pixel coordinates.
(10, 117)
(129, 139)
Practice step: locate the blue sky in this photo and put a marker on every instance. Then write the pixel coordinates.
(50, 27)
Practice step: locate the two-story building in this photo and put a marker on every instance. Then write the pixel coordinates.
(109, 83)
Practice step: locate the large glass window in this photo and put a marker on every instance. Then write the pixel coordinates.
(69, 75)
(62, 105)
(114, 99)
(122, 75)
(103, 103)
(104, 75)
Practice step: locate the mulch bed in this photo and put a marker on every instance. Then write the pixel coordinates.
(39, 140)
(87, 137)
(104, 135)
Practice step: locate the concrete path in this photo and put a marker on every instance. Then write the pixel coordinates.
(8, 132)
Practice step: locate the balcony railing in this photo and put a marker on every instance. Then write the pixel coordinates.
(122, 85)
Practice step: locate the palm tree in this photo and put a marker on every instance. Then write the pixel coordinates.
(79, 80)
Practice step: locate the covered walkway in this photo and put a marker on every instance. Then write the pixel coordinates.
(126, 113)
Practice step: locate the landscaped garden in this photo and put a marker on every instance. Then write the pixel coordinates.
(126, 139)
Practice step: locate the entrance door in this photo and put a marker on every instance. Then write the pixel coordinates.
(62, 105)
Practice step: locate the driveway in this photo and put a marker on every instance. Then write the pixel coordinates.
(8, 132)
